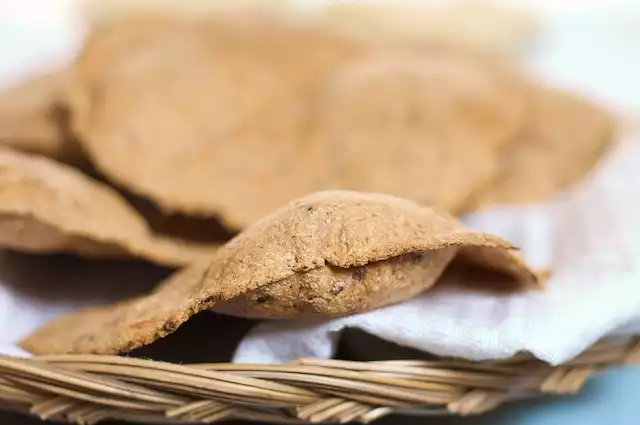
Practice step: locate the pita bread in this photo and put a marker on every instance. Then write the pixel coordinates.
(230, 100)
(34, 119)
(398, 124)
(564, 139)
(329, 254)
(46, 206)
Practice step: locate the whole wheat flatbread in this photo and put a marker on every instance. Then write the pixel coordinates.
(565, 137)
(33, 118)
(427, 128)
(210, 117)
(47, 206)
(329, 254)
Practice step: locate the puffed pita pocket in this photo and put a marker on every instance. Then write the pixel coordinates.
(47, 206)
(566, 136)
(397, 123)
(232, 102)
(34, 118)
(329, 254)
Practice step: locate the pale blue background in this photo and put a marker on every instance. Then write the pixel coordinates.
(611, 398)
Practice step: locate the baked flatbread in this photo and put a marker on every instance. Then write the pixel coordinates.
(47, 206)
(329, 254)
(34, 118)
(204, 118)
(427, 128)
(565, 138)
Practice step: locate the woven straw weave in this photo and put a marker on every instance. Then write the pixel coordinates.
(87, 389)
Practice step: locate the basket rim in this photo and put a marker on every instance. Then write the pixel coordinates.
(90, 388)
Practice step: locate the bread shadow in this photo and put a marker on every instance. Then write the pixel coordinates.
(61, 277)
(189, 228)
(205, 338)
(462, 277)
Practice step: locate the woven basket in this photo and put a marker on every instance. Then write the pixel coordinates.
(87, 389)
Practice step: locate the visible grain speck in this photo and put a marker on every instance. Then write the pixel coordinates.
(336, 288)
(170, 326)
(263, 299)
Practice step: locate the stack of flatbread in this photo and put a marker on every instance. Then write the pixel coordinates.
(288, 164)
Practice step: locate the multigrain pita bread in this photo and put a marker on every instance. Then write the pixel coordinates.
(483, 27)
(34, 119)
(426, 128)
(563, 140)
(332, 253)
(210, 116)
(46, 206)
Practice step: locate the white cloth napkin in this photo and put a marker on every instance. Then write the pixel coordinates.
(590, 238)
